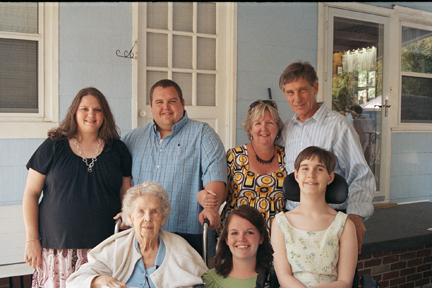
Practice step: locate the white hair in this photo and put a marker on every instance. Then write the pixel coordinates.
(145, 188)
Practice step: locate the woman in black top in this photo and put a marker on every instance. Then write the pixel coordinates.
(82, 172)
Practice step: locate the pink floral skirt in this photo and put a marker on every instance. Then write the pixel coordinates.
(57, 266)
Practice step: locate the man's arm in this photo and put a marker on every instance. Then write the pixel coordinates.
(359, 177)
(212, 214)
(213, 167)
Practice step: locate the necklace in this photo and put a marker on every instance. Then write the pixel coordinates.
(94, 159)
(261, 160)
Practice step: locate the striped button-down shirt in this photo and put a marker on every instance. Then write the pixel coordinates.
(182, 162)
(332, 131)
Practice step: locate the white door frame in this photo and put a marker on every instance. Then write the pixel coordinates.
(227, 74)
(324, 71)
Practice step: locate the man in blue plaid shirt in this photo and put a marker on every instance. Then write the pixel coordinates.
(185, 156)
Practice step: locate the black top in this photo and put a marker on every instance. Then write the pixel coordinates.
(77, 207)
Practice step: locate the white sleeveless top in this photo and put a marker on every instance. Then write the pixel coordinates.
(313, 255)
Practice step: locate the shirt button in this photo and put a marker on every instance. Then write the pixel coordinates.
(157, 166)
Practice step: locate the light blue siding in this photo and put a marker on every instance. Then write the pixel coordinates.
(411, 167)
(270, 37)
(14, 155)
(90, 35)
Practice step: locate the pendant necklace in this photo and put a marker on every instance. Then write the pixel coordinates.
(94, 159)
(261, 160)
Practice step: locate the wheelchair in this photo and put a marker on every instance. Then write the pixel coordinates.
(336, 193)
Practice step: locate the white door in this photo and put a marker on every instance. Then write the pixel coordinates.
(190, 43)
(356, 82)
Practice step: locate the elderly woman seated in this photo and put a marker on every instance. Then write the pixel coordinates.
(146, 255)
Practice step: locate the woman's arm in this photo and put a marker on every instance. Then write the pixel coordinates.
(126, 184)
(280, 259)
(32, 192)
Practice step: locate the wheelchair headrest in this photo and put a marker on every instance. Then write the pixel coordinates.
(336, 192)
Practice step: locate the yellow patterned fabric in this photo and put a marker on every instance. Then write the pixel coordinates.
(313, 255)
(264, 192)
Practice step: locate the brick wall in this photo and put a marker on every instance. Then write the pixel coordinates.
(405, 268)
(16, 282)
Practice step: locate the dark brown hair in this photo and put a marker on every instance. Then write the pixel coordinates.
(325, 157)
(223, 259)
(298, 70)
(165, 83)
(69, 127)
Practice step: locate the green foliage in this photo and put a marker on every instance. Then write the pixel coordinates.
(417, 56)
(343, 90)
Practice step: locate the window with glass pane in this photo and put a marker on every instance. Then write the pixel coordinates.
(18, 58)
(181, 40)
(416, 66)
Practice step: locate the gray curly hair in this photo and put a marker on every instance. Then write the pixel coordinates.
(143, 189)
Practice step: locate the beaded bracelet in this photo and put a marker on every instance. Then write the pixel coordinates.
(33, 239)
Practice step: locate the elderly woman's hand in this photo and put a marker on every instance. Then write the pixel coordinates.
(107, 281)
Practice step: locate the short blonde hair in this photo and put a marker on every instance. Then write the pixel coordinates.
(143, 189)
(256, 111)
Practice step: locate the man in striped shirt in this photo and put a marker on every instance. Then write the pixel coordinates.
(316, 125)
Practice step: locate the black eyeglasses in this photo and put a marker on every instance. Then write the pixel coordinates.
(268, 102)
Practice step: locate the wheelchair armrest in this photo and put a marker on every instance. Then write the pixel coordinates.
(367, 281)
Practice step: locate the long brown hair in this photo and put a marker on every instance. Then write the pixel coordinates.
(69, 127)
(223, 259)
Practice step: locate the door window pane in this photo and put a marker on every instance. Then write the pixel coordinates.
(18, 76)
(416, 104)
(184, 80)
(182, 54)
(357, 82)
(206, 90)
(157, 15)
(206, 17)
(182, 49)
(183, 16)
(206, 49)
(157, 50)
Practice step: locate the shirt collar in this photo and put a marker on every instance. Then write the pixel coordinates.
(177, 127)
(319, 115)
(160, 256)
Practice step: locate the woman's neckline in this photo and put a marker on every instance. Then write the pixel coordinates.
(71, 150)
(269, 174)
(306, 231)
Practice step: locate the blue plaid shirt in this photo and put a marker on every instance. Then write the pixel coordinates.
(183, 163)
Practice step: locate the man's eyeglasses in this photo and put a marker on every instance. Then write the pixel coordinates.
(268, 102)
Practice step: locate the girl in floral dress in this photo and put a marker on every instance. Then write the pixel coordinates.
(314, 245)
